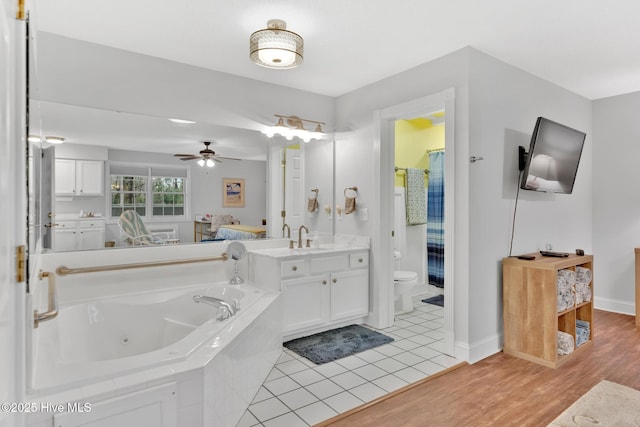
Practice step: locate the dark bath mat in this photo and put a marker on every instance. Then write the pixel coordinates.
(437, 300)
(337, 343)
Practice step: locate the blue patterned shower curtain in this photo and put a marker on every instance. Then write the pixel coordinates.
(435, 219)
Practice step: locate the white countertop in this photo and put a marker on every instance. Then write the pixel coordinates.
(323, 249)
(77, 217)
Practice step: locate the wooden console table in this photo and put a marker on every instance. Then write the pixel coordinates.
(637, 250)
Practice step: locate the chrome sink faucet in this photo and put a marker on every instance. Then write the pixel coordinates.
(300, 234)
(285, 225)
(217, 302)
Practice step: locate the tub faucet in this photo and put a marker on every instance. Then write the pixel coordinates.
(300, 234)
(285, 225)
(217, 302)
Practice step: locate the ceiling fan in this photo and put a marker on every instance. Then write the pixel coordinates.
(205, 157)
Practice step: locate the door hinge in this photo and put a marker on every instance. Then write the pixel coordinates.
(21, 264)
(20, 13)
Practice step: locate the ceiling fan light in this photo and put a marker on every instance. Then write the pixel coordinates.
(201, 162)
(210, 163)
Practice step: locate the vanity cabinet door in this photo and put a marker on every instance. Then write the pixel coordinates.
(306, 302)
(349, 294)
(91, 238)
(65, 239)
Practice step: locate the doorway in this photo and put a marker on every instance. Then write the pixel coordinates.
(383, 275)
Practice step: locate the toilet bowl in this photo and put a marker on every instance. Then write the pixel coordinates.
(403, 284)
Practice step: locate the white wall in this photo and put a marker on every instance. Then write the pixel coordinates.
(91, 75)
(494, 102)
(616, 207)
(504, 103)
(318, 173)
(355, 158)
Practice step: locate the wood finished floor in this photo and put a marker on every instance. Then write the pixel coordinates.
(503, 390)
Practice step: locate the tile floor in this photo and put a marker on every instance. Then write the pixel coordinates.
(298, 392)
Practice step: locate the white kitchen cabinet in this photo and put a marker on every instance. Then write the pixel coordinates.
(320, 290)
(79, 235)
(79, 177)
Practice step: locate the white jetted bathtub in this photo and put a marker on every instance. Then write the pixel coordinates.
(128, 343)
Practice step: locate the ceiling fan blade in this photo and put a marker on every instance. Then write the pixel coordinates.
(228, 158)
(191, 158)
(216, 159)
(183, 155)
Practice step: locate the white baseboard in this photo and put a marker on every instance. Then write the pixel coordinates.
(479, 350)
(615, 305)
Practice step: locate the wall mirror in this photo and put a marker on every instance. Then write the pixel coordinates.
(81, 186)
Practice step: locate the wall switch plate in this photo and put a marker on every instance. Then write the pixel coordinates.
(364, 214)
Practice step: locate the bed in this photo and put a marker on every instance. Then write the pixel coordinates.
(240, 232)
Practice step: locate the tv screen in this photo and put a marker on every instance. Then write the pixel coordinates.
(552, 161)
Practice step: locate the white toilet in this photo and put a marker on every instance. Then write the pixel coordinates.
(403, 284)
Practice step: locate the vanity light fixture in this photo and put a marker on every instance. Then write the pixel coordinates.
(276, 47)
(293, 126)
(54, 139)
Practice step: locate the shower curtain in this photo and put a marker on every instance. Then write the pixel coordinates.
(435, 219)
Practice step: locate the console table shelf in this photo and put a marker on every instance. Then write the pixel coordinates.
(530, 308)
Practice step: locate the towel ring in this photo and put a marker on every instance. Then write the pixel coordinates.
(354, 189)
(315, 190)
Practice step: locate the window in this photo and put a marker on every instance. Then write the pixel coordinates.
(153, 192)
(168, 196)
(128, 193)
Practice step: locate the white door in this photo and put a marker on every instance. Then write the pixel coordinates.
(293, 189)
(47, 206)
(12, 210)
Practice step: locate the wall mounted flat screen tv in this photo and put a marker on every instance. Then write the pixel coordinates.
(554, 154)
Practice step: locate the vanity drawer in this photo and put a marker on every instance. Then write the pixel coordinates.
(91, 224)
(358, 260)
(293, 268)
(329, 264)
(66, 224)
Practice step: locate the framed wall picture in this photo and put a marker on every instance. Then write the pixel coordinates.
(233, 192)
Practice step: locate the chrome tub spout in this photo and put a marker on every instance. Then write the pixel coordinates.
(217, 302)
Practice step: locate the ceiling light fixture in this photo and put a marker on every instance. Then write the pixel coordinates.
(54, 139)
(182, 121)
(293, 126)
(276, 47)
(34, 138)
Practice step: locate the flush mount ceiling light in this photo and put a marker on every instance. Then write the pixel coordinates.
(276, 47)
(293, 126)
(54, 139)
(182, 121)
